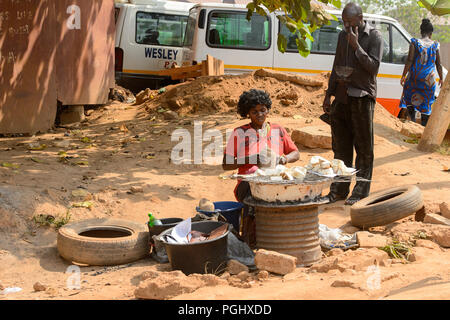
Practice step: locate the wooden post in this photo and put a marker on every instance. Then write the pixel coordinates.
(437, 125)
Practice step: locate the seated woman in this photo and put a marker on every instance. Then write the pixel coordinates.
(256, 144)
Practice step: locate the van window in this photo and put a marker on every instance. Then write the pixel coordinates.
(384, 29)
(400, 46)
(227, 29)
(160, 29)
(325, 38)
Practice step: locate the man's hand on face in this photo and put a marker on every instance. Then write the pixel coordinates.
(352, 37)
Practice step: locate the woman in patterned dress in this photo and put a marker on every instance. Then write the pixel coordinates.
(419, 75)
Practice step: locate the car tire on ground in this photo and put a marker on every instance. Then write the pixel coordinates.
(103, 242)
(387, 206)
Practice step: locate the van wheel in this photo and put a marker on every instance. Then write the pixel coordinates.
(385, 207)
(103, 242)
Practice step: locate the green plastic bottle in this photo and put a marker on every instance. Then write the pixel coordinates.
(152, 221)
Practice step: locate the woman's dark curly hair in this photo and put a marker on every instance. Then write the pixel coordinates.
(426, 27)
(252, 98)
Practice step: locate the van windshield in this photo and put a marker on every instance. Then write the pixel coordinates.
(160, 29)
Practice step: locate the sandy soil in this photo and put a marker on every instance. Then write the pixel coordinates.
(130, 147)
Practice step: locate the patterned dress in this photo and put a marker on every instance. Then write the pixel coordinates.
(420, 84)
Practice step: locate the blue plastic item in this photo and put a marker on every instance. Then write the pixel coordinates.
(230, 210)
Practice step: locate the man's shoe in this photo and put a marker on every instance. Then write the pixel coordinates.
(332, 198)
(351, 201)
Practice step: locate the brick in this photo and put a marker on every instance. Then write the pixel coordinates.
(275, 262)
(369, 240)
(436, 219)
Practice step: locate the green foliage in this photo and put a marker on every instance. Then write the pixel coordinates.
(51, 221)
(301, 17)
(409, 14)
(398, 250)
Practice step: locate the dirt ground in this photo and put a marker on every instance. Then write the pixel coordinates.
(130, 145)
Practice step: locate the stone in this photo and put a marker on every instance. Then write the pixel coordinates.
(209, 280)
(335, 252)
(386, 263)
(89, 112)
(52, 292)
(170, 115)
(287, 114)
(366, 239)
(167, 285)
(143, 96)
(71, 114)
(243, 276)
(275, 262)
(135, 189)
(2, 287)
(420, 254)
(412, 129)
(345, 284)
(235, 267)
(427, 244)
(436, 219)
(263, 275)
(206, 205)
(444, 207)
(357, 260)
(334, 272)
(226, 275)
(441, 235)
(39, 287)
(313, 137)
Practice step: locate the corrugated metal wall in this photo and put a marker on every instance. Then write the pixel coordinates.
(53, 50)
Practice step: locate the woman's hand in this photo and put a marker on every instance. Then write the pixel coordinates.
(282, 160)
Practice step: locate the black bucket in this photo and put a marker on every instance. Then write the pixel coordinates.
(167, 223)
(208, 256)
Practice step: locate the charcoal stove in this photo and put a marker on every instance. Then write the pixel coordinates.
(290, 227)
(289, 222)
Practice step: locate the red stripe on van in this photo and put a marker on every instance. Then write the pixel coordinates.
(391, 105)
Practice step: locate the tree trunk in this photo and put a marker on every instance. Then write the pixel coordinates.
(437, 125)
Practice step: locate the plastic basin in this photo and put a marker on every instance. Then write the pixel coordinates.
(208, 256)
(230, 210)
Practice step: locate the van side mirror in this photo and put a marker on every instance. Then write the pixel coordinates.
(201, 19)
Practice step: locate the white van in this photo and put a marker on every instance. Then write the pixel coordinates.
(222, 31)
(149, 38)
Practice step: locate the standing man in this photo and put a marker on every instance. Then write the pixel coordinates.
(353, 83)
